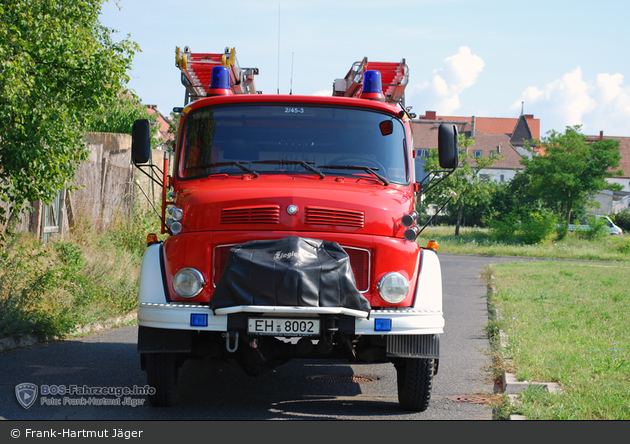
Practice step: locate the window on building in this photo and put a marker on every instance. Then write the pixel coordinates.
(477, 153)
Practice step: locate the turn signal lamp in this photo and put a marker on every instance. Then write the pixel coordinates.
(152, 239)
(220, 82)
(372, 86)
(433, 245)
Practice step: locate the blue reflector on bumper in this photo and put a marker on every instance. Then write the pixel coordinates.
(382, 325)
(199, 320)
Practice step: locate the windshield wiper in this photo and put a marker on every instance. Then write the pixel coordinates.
(292, 162)
(370, 170)
(240, 165)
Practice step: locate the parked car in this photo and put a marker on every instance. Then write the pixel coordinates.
(613, 229)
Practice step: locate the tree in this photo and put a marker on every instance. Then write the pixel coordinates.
(59, 69)
(465, 181)
(569, 170)
(120, 115)
(513, 197)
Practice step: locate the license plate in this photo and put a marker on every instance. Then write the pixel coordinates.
(283, 326)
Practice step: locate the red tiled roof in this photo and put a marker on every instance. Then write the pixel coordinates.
(489, 143)
(425, 137)
(163, 124)
(624, 150)
(492, 125)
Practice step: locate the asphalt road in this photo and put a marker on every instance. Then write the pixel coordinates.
(213, 390)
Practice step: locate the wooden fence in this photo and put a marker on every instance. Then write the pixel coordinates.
(107, 190)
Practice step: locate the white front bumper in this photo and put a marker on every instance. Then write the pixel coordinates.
(424, 318)
(178, 316)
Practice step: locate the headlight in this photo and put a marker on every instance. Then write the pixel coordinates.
(393, 288)
(188, 282)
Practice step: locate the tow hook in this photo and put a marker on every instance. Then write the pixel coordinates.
(229, 337)
(325, 344)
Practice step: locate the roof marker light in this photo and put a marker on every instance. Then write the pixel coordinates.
(220, 82)
(372, 86)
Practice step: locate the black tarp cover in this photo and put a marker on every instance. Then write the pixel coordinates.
(291, 271)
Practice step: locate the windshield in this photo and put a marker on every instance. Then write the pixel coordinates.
(295, 139)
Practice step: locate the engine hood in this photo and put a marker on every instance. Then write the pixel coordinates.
(293, 203)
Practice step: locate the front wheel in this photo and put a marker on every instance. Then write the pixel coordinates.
(162, 372)
(415, 378)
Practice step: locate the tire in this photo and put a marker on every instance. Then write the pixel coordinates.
(415, 378)
(162, 372)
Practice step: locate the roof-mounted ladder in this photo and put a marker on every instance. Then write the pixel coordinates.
(394, 78)
(196, 68)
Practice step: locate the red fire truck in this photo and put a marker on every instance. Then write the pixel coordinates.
(292, 229)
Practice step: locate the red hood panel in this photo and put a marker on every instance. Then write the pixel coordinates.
(342, 205)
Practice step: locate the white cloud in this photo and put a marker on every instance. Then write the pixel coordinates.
(441, 93)
(600, 104)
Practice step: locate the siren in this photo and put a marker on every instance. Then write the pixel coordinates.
(220, 82)
(372, 86)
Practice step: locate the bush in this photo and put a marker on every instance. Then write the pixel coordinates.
(622, 220)
(504, 229)
(537, 227)
(531, 228)
(561, 231)
(597, 228)
(623, 245)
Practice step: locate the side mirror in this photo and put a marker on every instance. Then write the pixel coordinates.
(141, 141)
(448, 146)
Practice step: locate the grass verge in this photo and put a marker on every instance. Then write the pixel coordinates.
(50, 290)
(567, 323)
(479, 241)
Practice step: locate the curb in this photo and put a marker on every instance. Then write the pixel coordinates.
(513, 386)
(11, 343)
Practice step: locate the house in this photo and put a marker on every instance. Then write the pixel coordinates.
(165, 139)
(493, 136)
(507, 137)
(614, 201)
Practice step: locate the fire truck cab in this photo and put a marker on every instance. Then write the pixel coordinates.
(292, 230)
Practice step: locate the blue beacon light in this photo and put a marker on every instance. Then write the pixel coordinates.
(199, 320)
(382, 324)
(219, 82)
(372, 86)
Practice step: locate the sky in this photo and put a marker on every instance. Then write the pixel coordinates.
(565, 62)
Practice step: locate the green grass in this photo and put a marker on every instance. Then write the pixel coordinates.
(88, 277)
(479, 241)
(567, 323)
